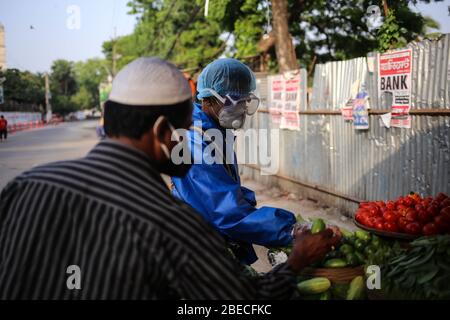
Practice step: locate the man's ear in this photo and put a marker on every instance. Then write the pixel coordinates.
(162, 131)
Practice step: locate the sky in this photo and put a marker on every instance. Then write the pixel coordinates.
(41, 31)
(56, 33)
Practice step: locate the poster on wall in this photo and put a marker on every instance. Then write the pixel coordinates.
(347, 110)
(276, 98)
(285, 100)
(290, 119)
(394, 85)
(361, 111)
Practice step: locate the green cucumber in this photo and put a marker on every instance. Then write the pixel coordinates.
(359, 244)
(314, 286)
(335, 263)
(352, 259)
(346, 234)
(361, 257)
(317, 226)
(357, 289)
(346, 249)
(362, 235)
(326, 295)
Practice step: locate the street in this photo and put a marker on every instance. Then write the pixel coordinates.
(26, 149)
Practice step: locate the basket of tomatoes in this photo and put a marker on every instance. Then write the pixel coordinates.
(407, 217)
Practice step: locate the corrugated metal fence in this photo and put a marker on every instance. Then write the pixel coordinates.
(329, 160)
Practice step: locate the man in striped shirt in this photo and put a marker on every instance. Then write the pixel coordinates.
(106, 226)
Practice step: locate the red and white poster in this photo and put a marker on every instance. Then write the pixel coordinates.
(285, 100)
(276, 98)
(290, 118)
(394, 84)
(347, 111)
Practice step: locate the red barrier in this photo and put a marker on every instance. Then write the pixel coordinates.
(25, 126)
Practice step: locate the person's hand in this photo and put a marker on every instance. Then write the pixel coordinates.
(309, 248)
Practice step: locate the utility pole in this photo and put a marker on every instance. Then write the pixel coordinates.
(115, 56)
(284, 47)
(48, 97)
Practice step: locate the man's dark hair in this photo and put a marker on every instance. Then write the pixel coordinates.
(134, 121)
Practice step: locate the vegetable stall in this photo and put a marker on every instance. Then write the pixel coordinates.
(402, 247)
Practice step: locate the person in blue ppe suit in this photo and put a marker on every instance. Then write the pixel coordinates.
(214, 189)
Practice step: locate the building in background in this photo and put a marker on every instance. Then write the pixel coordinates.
(2, 48)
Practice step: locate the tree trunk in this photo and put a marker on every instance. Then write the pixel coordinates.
(385, 8)
(284, 47)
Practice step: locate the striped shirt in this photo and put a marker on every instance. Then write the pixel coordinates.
(111, 215)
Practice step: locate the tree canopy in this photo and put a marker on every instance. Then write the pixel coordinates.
(322, 30)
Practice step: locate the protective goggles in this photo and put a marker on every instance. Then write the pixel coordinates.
(251, 101)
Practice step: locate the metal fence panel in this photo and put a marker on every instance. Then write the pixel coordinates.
(378, 163)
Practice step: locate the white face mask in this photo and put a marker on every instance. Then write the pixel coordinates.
(175, 134)
(232, 117)
(233, 113)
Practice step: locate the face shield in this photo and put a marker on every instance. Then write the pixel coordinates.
(250, 103)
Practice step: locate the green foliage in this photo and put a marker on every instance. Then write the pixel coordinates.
(75, 86)
(88, 76)
(390, 36)
(323, 30)
(62, 78)
(23, 87)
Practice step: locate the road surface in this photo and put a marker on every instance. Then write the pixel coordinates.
(26, 149)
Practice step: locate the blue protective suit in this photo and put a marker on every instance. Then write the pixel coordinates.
(219, 197)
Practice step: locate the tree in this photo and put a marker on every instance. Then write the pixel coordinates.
(62, 78)
(283, 40)
(63, 86)
(23, 87)
(321, 30)
(88, 76)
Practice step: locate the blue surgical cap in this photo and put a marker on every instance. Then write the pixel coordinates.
(226, 76)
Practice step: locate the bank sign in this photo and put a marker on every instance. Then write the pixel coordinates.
(394, 84)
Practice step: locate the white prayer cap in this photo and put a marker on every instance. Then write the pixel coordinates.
(150, 81)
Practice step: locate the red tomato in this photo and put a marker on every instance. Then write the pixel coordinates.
(390, 205)
(370, 222)
(445, 212)
(419, 207)
(432, 210)
(413, 228)
(430, 229)
(442, 223)
(441, 196)
(359, 217)
(400, 201)
(374, 211)
(445, 203)
(411, 215)
(380, 204)
(401, 207)
(391, 226)
(402, 223)
(390, 216)
(379, 225)
(409, 202)
(423, 216)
